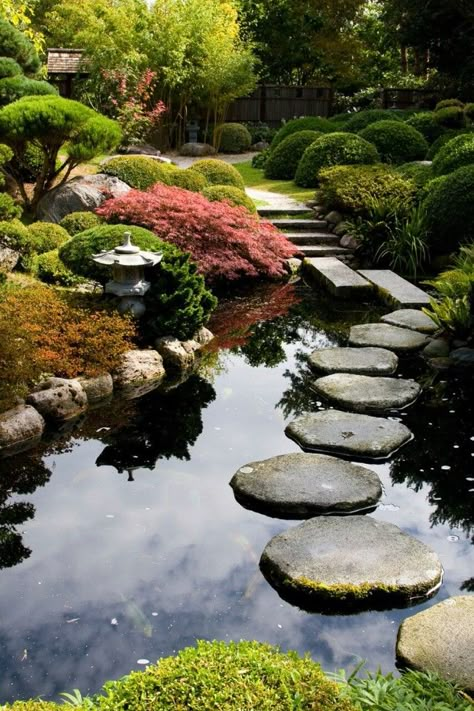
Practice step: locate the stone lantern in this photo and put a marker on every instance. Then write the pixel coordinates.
(128, 264)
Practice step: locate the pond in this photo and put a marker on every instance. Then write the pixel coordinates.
(125, 541)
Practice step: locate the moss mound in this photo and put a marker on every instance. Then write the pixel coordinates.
(450, 209)
(334, 149)
(283, 160)
(232, 138)
(139, 172)
(217, 172)
(307, 123)
(456, 153)
(395, 141)
(228, 193)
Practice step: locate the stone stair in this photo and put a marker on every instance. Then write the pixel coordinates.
(312, 236)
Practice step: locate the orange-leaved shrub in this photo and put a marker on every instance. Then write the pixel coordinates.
(226, 242)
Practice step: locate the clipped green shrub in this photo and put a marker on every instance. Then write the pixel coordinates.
(45, 236)
(283, 160)
(139, 172)
(9, 68)
(50, 269)
(15, 235)
(451, 117)
(16, 45)
(352, 188)
(469, 112)
(334, 149)
(232, 138)
(6, 154)
(395, 141)
(13, 88)
(229, 677)
(450, 209)
(445, 103)
(229, 193)
(79, 221)
(343, 117)
(188, 179)
(259, 160)
(419, 173)
(8, 208)
(217, 172)
(362, 119)
(456, 153)
(427, 125)
(307, 123)
(442, 140)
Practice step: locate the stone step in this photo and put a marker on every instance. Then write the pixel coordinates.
(395, 290)
(269, 211)
(313, 238)
(339, 279)
(320, 250)
(300, 225)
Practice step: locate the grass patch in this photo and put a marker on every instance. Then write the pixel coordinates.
(255, 178)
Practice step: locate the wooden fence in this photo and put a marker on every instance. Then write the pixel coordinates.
(408, 99)
(270, 104)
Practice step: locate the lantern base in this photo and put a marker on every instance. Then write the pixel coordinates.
(132, 305)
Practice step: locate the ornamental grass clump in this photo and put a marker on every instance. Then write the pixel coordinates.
(333, 149)
(283, 160)
(226, 243)
(395, 141)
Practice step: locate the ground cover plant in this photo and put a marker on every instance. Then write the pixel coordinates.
(333, 149)
(226, 243)
(283, 160)
(254, 178)
(396, 142)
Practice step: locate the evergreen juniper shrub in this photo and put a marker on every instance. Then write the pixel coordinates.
(139, 172)
(79, 221)
(307, 123)
(13, 88)
(360, 120)
(456, 153)
(232, 138)
(9, 68)
(283, 160)
(449, 207)
(218, 172)
(395, 141)
(228, 193)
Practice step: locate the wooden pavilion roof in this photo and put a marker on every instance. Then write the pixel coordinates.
(66, 61)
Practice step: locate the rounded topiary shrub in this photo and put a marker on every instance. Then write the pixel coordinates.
(469, 112)
(50, 269)
(456, 153)
(217, 172)
(15, 87)
(188, 179)
(362, 119)
(14, 235)
(232, 195)
(445, 103)
(8, 207)
(232, 138)
(307, 123)
(451, 117)
(79, 221)
(235, 675)
(395, 141)
(427, 125)
(139, 172)
(449, 209)
(45, 236)
(443, 139)
(9, 68)
(419, 173)
(333, 149)
(283, 160)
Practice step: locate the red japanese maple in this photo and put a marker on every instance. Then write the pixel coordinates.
(226, 242)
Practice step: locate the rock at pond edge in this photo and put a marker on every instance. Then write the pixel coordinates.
(20, 428)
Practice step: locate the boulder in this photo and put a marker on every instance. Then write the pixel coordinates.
(259, 146)
(99, 388)
(302, 485)
(143, 149)
(59, 399)
(203, 336)
(437, 348)
(348, 434)
(346, 563)
(382, 335)
(197, 150)
(334, 217)
(8, 259)
(463, 357)
(441, 640)
(368, 361)
(414, 319)
(340, 229)
(175, 355)
(139, 368)
(82, 193)
(20, 428)
(349, 242)
(364, 393)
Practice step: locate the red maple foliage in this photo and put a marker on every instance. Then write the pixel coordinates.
(226, 242)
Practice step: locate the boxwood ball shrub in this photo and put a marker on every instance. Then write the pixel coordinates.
(138, 171)
(188, 179)
(228, 193)
(232, 138)
(449, 207)
(333, 149)
(217, 172)
(427, 125)
(362, 119)
(451, 117)
(79, 221)
(442, 140)
(448, 102)
(283, 160)
(307, 123)
(395, 141)
(45, 236)
(456, 153)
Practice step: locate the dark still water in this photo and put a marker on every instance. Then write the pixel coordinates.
(125, 541)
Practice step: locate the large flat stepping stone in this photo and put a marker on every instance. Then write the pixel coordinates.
(413, 319)
(394, 338)
(339, 279)
(441, 639)
(393, 289)
(363, 361)
(344, 563)
(303, 485)
(348, 434)
(364, 393)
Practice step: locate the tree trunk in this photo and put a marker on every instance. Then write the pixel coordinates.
(404, 60)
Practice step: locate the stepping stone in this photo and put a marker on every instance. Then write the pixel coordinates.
(393, 289)
(339, 279)
(401, 340)
(303, 485)
(348, 434)
(368, 361)
(341, 563)
(441, 639)
(411, 318)
(363, 392)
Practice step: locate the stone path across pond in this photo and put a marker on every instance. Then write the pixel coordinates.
(363, 361)
(394, 338)
(365, 393)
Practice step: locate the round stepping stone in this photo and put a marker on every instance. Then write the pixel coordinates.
(343, 563)
(368, 361)
(440, 639)
(401, 340)
(414, 319)
(348, 434)
(362, 392)
(303, 485)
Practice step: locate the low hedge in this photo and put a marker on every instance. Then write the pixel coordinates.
(451, 117)
(333, 149)
(79, 221)
(456, 153)
(217, 172)
(395, 141)
(362, 119)
(232, 138)
(307, 123)
(427, 125)
(229, 193)
(450, 209)
(139, 172)
(188, 179)
(283, 160)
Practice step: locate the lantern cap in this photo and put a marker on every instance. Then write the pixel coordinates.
(128, 254)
